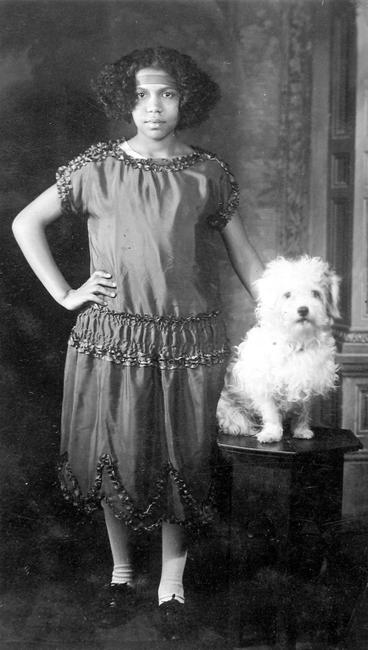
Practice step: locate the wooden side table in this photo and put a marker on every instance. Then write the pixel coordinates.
(283, 497)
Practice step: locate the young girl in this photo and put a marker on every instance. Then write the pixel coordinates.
(145, 359)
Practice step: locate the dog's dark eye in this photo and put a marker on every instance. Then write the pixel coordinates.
(316, 294)
(287, 294)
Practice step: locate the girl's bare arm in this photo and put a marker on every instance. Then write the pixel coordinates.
(29, 230)
(244, 258)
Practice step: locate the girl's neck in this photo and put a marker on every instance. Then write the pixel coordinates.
(170, 147)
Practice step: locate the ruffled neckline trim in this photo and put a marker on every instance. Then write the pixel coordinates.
(159, 164)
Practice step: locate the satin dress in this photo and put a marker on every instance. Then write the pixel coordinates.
(143, 374)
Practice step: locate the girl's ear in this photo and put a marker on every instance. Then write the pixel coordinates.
(183, 99)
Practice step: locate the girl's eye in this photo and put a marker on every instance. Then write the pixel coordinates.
(287, 294)
(316, 294)
(140, 94)
(169, 93)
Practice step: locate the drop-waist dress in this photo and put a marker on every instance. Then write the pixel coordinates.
(143, 373)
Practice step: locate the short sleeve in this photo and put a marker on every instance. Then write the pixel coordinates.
(72, 179)
(71, 182)
(227, 198)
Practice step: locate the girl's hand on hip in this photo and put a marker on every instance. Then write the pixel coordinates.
(97, 286)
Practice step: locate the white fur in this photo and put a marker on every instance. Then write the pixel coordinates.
(288, 358)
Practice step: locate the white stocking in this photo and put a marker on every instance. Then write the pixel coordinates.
(174, 557)
(119, 544)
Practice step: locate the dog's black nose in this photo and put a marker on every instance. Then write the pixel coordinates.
(303, 311)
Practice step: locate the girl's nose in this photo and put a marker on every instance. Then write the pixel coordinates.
(154, 108)
(154, 105)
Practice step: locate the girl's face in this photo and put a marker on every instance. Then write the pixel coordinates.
(156, 112)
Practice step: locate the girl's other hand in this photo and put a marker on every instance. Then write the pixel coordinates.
(97, 286)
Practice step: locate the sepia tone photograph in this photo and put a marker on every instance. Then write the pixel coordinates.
(184, 324)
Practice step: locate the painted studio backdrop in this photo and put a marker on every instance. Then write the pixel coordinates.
(260, 52)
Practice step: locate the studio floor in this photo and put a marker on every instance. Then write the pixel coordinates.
(46, 600)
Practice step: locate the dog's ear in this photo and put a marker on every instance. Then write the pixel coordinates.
(333, 293)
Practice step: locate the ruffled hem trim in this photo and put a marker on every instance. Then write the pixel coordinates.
(199, 514)
(142, 340)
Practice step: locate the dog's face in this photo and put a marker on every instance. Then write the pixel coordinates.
(298, 297)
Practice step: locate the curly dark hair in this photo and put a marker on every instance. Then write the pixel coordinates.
(115, 86)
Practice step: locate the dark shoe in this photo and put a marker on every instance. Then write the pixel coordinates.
(172, 620)
(116, 605)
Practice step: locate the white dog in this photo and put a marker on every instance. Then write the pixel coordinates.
(288, 358)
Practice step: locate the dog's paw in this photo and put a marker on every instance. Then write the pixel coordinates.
(303, 433)
(270, 433)
(237, 428)
(230, 419)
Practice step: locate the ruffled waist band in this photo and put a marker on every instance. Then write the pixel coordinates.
(144, 340)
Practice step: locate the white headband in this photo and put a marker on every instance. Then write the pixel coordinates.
(159, 77)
